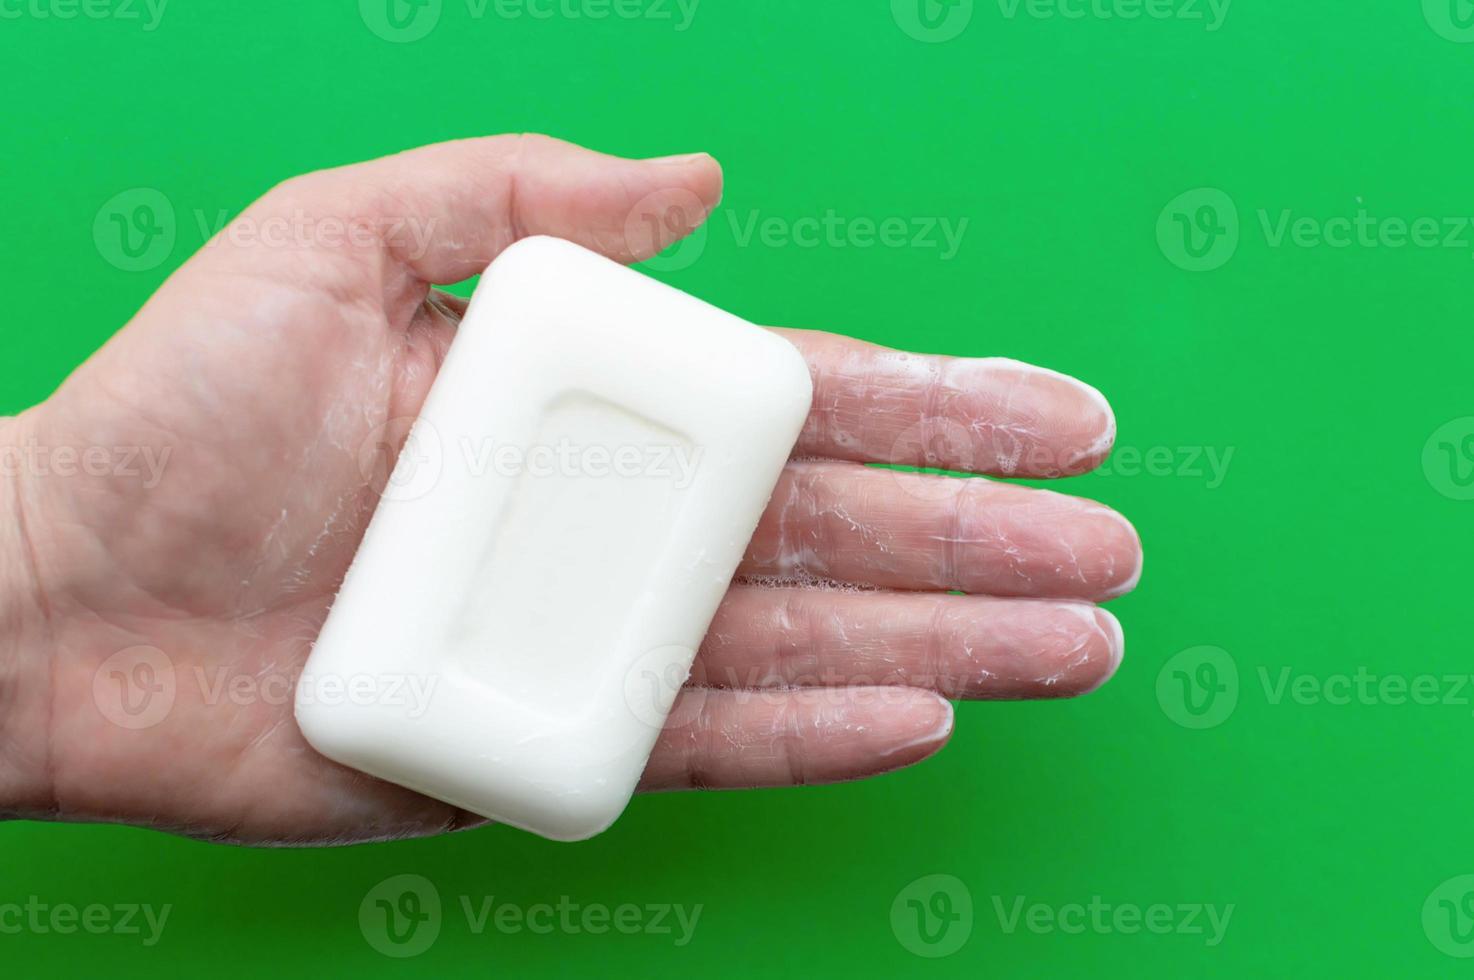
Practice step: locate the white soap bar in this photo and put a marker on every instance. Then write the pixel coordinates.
(568, 511)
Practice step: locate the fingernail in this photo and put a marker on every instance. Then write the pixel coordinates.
(1111, 627)
(1132, 579)
(678, 159)
(946, 723)
(934, 725)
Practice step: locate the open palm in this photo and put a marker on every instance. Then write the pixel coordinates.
(157, 619)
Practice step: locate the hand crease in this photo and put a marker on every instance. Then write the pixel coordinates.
(31, 558)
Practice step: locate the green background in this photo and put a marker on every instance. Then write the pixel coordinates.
(1327, 546)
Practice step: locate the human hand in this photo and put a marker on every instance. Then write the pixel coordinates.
(256, 376)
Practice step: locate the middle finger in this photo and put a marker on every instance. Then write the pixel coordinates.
(893, 530)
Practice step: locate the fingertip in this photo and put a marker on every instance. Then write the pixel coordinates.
(1091, 658)
(940, 718)
(1015, 419)
(1079, 649)
(946, 724)
(1097, 433)
(704, 172)
(1100, 549)
(865, 731)
(665, 200)
(918, 729)
(716, 181)
(1077, 425)
(1115, 637)
(1128, 545)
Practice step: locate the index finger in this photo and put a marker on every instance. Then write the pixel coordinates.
(986, 415)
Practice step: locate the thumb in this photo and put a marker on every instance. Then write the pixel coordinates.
(445, 211)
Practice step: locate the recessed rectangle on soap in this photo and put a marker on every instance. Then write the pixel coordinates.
(594, 501)
(585, 474)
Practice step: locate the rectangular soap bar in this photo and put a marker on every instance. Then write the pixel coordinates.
(559, 529)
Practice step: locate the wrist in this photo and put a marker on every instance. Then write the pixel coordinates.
(24, 646)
